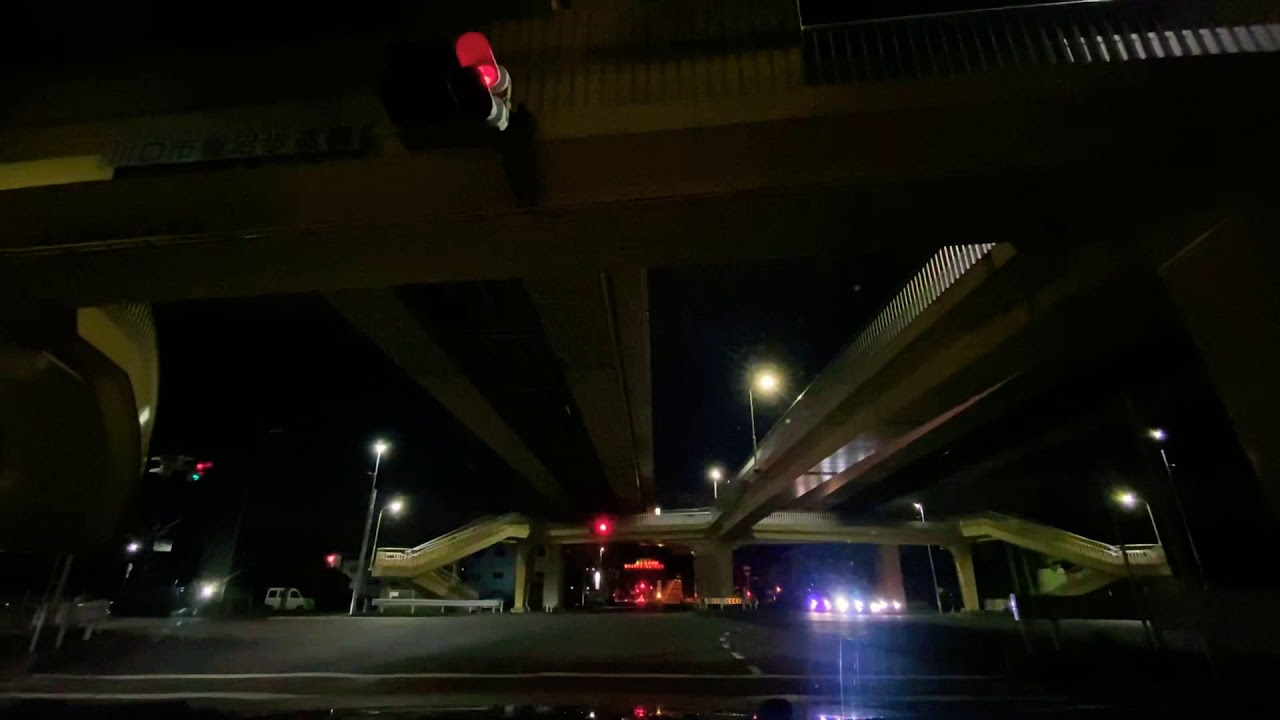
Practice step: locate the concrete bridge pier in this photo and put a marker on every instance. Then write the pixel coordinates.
(552, 576)
(963, 556)
(889, 574)
(713, 570)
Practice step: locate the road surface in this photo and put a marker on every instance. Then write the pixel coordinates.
(638, 654)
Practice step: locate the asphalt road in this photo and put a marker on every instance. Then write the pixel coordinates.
(635, 654)
(681, 643)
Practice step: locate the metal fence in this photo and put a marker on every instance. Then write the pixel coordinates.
(1066, 33)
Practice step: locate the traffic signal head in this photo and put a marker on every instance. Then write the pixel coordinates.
(332, 560)
(431, 83)
(601, 526)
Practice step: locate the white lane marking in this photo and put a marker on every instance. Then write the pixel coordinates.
(156, 696)
(754, 670)
(477, 676)
(738, 656)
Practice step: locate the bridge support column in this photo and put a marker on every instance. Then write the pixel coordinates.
(552, 577)
(524, 576)
(713, 570)
(1224, 287)
(889, 574)
(963, 555)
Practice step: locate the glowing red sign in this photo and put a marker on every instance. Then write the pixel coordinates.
(644, 564)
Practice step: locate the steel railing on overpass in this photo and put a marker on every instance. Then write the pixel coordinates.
(1056, 543)
(425, 564)
(891, 49)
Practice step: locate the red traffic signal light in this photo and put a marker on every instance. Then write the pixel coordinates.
(332, 560)
(204, 466)
(473, 51)
(602, 526)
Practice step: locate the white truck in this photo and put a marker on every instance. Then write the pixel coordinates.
(288, 600)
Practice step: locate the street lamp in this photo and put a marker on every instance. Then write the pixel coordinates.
(715, 475)
(1129, 501)
(767, 382)
(1158, 435)
(933, 569)
(133, 547)
(379, 448)
(395, 507)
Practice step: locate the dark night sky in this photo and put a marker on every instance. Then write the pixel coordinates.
(285, 397)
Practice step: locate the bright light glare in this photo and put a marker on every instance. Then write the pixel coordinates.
(657, 511)
(897, 605)
(877, 606)
(858, 605)
(208, 590)
(1127, 499)
(826, 604)
(1157, 434)
(380, 447)
(715, 474)
(842, 603)
(133, 547)
(767, 381)
(597, 579)
(396, 506)
(813, 604)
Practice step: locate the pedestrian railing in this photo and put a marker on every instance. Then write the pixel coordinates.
(448, 544)
(413, 604)
(1055, 542)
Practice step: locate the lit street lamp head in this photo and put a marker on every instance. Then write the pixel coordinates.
(396, 506)
(715, 474)
(1157, 434)
(1127, 499)
(133, 547)
(767, 381)
(380, 447)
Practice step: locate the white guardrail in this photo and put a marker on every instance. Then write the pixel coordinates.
(414, 603)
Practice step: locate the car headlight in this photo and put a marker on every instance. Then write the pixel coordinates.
(842, 603)
(858, 605)
(208, 590)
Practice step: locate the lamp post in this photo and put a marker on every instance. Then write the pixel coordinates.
(766, 381)
(715, 475)
(396, 506)
(379, 447)
(933, 569)
(1158, 435)
(1129, 501)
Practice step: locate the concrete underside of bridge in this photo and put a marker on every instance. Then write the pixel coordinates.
(672, 196)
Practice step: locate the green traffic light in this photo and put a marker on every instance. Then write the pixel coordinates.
(195, 476)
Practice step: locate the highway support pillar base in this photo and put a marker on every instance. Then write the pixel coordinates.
(889, 574)
(524, 577)
(713, 570)
(552, 577)
(963, 555)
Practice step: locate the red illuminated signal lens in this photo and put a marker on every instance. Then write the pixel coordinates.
(473, 51)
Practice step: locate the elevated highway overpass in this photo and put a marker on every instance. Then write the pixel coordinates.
(723, 132)
(1094, 563)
